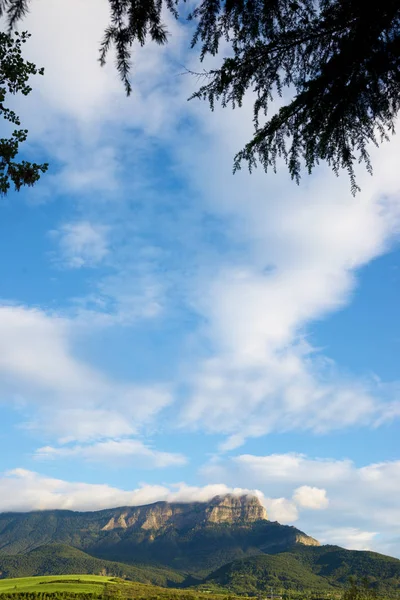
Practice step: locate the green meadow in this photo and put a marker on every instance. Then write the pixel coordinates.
(87, 584)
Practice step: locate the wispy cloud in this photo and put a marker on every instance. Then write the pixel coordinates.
(349, 537)
(117, 452)
(70, 400)
(82, 244)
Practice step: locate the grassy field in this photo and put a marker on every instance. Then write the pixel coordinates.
(91, 584)
(64, 586)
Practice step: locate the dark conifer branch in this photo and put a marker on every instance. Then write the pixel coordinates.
(341, 58)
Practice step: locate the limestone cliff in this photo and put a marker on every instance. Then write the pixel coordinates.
(228, 509)
(306, 540)
(235, 509)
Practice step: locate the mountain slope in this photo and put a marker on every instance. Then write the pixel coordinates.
(200, 550)
(57, 559)
(261, 573)
(308, 568)
(338, 564)
(194, 537)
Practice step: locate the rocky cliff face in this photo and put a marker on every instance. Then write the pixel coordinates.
(235, 509)
(228, 509)
(306, 540)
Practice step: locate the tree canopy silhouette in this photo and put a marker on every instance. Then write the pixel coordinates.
(339, 60)
(14, 77)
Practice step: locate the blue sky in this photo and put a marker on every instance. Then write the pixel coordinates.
(171, 331)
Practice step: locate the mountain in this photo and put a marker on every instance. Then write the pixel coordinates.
(227, 543)
(65, 560)
(194, 537)
(308, 568)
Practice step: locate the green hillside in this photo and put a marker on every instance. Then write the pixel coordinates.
(309, 568)
(59, 559)
(261, 573)
(338, 564)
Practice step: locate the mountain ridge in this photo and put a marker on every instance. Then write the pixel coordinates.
(195, 537)
(228, 508)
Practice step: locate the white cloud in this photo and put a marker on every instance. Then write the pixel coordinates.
(310, 497)
(349, 537)
(34, 350)
(82, 424)
(87, 96)
(284, 391)
(82, 244)
(93, 98)
(70, 399)
(299, 252)
(281, 510)
(283, 472)
(117, 452)
(293, 467)
(23, 490)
